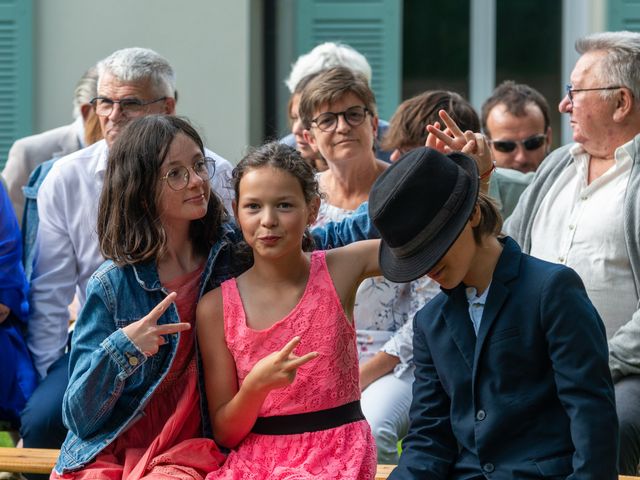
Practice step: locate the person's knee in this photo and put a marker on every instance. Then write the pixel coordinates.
(41, 419)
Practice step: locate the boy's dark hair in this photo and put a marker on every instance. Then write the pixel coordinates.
(330, 86)
(407, 126)
(490, 218)
(515, 97)
(282, 157)
(129, 226)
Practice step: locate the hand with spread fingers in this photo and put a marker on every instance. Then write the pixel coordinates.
(453, 139)
(147, 334)
(277, 369)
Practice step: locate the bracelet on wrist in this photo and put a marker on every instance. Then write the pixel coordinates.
(488, 173)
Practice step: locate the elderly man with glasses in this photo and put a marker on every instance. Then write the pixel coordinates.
(132, 82)
(516, 119)
(583, 209)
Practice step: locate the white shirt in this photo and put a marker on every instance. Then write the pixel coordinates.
(67, 244)
(582, 226)
(476, 305)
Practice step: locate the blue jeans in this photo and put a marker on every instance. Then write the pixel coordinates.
(42, 425)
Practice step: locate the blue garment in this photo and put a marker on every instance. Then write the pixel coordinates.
(530, 397)
(30, 214)
(110, 380)
(383, 155)
(17, 375)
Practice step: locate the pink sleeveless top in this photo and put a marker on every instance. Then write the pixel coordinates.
(330, 380)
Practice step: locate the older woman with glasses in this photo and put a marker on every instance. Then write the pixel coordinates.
(338, 110)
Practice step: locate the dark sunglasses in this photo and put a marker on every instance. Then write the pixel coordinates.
(531, 143)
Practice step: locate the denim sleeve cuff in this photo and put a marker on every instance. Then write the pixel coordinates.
(124, 352)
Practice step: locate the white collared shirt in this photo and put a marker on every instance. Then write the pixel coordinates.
(67, 244)
(476, 305)
(581, 226)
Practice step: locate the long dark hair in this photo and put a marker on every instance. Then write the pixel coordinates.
(129, 226)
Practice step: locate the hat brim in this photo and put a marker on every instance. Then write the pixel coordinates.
(411, 267)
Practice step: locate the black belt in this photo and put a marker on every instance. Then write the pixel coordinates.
(309, 422)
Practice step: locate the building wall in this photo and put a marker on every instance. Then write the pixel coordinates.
(208, 42)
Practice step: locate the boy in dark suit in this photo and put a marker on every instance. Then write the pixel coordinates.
(512, 380)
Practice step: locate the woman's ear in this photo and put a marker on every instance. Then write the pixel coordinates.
(310, 138)
(476, 216)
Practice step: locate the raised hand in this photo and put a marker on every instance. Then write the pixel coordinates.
(452, 138)
(278, 369)
(147, 334)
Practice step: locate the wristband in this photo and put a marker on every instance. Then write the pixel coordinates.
(488, 172)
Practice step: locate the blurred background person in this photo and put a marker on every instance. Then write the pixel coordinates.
(407, 131)
(85, 91)
(322, 57)
(17, 375)
(29, 152)
(516, 119)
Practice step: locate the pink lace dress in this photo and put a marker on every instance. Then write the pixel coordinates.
(330, 380)
(163, 444)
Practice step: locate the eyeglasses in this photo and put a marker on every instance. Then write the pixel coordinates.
(532, 143)
(328, 121)
(130, 107)
(178, 177)
(570, 90)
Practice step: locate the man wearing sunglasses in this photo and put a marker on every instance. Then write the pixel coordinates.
(583, 209)
(516, 119)
(132, 82)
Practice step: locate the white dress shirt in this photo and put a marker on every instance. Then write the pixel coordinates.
(67, 244)
(581, 226)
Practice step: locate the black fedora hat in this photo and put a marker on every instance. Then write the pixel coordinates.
(420, 205)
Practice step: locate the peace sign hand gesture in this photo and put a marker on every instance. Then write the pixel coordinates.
(147, 335)
(278, 369)
(452, 138)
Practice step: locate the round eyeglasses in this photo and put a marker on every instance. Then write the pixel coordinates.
(129, 107)
(178, 177)
(328, 121)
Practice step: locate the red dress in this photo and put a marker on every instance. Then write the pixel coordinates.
(330, 380)
(164, 443)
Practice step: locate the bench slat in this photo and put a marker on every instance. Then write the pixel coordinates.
(42, 460)
(27, 460)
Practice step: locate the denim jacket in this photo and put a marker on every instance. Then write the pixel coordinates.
(30, 214)
(110, 380)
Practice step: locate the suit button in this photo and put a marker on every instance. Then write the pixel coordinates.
(481, 415)
(488, 467)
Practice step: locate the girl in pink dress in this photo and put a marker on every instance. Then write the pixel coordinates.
(278, 342)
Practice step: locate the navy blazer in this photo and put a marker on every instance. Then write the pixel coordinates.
(530, 397)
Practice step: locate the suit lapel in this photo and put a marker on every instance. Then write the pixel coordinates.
(506, 270)
(459, 324)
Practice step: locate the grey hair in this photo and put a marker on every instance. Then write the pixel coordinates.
(325, 56)
(137, 64)
(86, 89)
(621, 64)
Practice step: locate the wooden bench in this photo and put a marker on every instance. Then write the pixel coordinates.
(41, 460)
